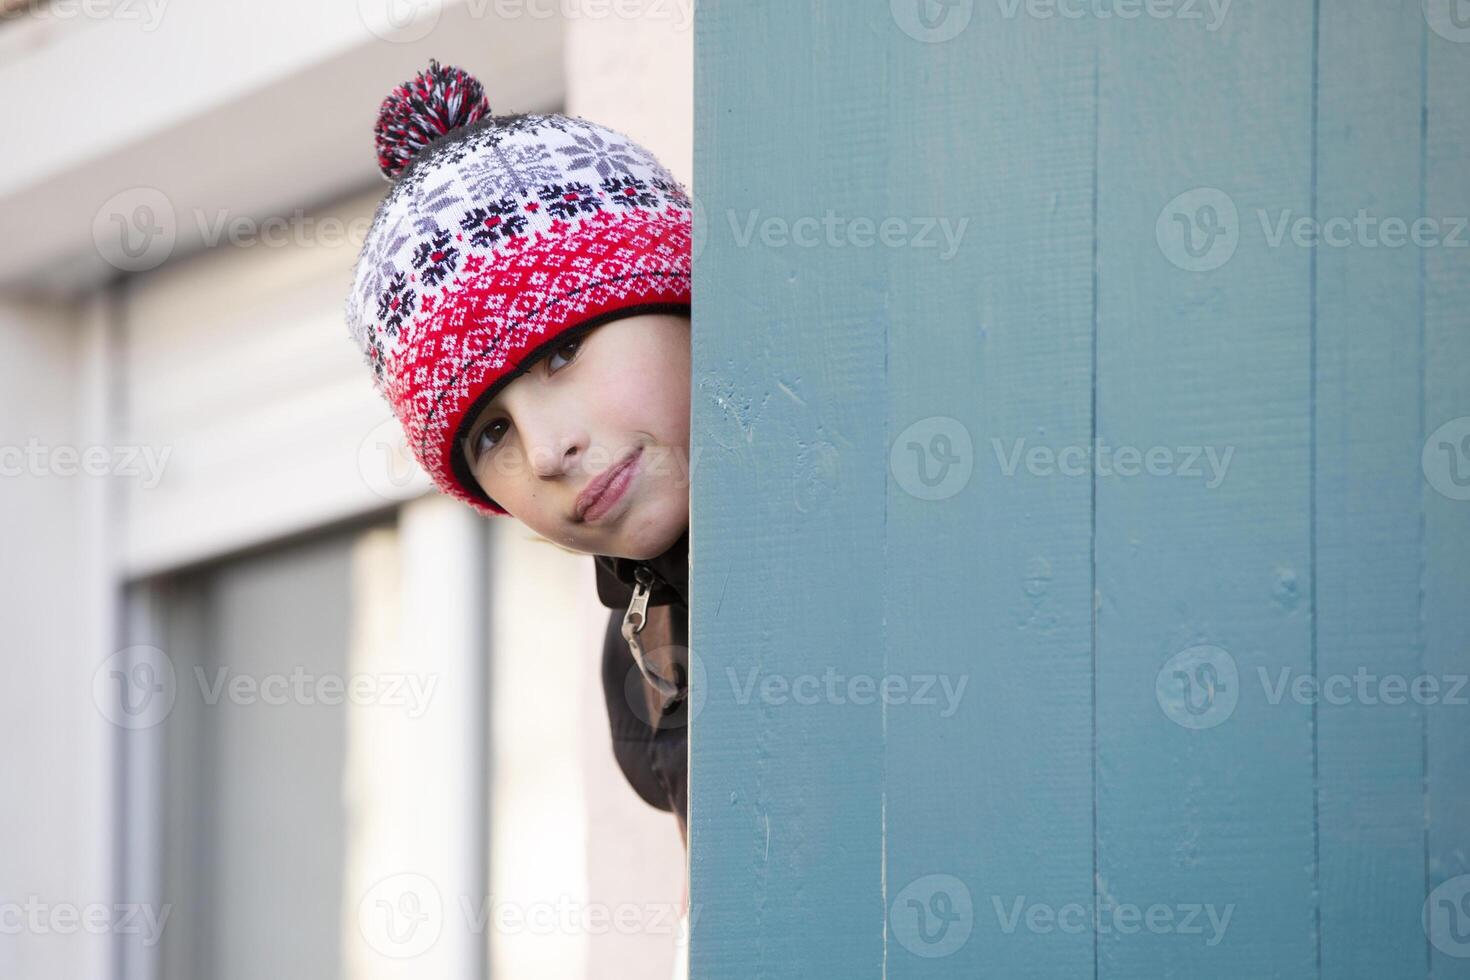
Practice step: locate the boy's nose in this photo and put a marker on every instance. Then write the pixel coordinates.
(555, 459)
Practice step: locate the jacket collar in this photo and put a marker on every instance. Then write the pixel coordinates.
(670, 569)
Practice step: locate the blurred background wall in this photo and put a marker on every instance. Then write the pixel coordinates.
(275, 707)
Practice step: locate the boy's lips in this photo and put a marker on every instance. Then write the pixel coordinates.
(600, 483)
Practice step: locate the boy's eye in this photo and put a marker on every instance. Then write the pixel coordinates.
(570, 346)
(488, 438)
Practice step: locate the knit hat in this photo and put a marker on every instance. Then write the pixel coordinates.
(500, 239)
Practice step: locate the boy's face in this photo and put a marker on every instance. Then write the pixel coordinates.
(620, 391)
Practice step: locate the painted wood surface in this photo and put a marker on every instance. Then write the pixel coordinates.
(1081, 505)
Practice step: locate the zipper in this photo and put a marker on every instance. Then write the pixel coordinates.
(633, 622)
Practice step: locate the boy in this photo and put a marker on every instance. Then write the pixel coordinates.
(523, 299)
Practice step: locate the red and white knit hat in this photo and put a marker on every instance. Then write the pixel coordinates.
(500, 238)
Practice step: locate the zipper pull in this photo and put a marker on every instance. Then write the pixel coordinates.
(633, 622)
(637, 614)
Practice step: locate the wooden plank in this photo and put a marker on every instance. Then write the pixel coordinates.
(1205, 809)
(786, 535)
(1366, 491)
(1446, 571)
(988, 788)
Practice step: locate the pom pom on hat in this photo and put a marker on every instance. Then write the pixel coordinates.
(436, 101)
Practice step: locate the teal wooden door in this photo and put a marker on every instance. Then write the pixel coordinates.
(1081, 515)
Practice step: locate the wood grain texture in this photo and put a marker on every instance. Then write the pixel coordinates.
(1219, 816)
(1445, 579)
(989, 584)
(1366, 492)
(787, 539)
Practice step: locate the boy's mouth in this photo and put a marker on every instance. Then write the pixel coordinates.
(606, 488)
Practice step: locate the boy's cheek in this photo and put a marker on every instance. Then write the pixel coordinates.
(671, 462)
(509, 463)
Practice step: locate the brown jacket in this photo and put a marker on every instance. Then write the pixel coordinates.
(650, 727)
